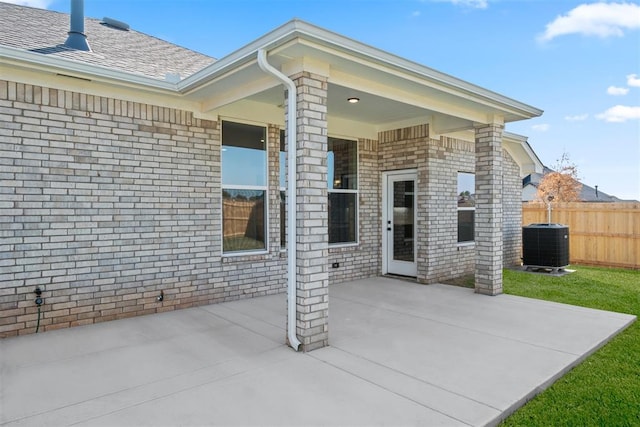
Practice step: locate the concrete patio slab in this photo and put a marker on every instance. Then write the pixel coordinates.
(400, 354)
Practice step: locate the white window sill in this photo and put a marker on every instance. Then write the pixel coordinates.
(465, 244)
(240, 256)
(343, 245)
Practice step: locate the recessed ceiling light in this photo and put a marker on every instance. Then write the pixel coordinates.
(353, 100)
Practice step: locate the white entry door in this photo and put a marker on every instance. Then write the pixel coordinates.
(399, 219)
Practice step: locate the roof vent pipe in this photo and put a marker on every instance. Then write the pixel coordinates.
(77, 39)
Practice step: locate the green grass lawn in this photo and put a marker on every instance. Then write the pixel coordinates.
(605, 389)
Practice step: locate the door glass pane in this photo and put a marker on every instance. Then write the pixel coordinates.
(403, 221)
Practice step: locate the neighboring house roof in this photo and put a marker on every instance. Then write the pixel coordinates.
(587, 194)
(44, 31)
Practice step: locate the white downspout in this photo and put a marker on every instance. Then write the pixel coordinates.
(291, 195)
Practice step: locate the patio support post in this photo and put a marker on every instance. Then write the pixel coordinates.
(312, 303)
(488, 217)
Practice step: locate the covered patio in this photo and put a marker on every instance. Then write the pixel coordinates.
(400, 353)
(183, 185)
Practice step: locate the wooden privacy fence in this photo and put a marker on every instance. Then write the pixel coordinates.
(243, 218)
(605, 234)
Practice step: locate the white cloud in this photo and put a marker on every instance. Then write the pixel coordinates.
(616, 91)
(416, 13)
(543, 127)
(620, 114)
(477, 4)
(633, 80)
(577, 118)
(596, 19)
(40, 4)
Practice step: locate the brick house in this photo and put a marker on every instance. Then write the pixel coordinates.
(139, 176)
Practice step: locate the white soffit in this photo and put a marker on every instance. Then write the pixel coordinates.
(369, 75)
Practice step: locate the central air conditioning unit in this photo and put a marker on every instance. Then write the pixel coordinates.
(545, 246)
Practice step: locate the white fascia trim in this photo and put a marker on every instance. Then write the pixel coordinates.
(53, 64)
(538, 165)
(514, 136)
(281, 35)
(522, 142)
(300, 29)
(238, 58)
(356, 48)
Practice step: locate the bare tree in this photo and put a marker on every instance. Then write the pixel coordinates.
(561, 184)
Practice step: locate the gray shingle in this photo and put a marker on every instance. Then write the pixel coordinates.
(45, 31)
(587, 194)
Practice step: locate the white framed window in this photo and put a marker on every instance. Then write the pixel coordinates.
(244, 187)
(342, 163)
(466, 207)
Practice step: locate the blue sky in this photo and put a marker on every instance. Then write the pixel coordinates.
(579, 61)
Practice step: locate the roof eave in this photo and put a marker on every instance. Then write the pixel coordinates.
(371, 53)
(240, 57)
(511, 109)
(293, 29)
(66, 66)
(523, 143)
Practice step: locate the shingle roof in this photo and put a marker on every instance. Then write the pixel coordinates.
(44, 31)
(587, 194)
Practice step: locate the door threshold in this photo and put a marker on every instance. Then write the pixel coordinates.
(401, 277)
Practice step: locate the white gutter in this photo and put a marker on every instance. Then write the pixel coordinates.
(291, 195)
(53, 65)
